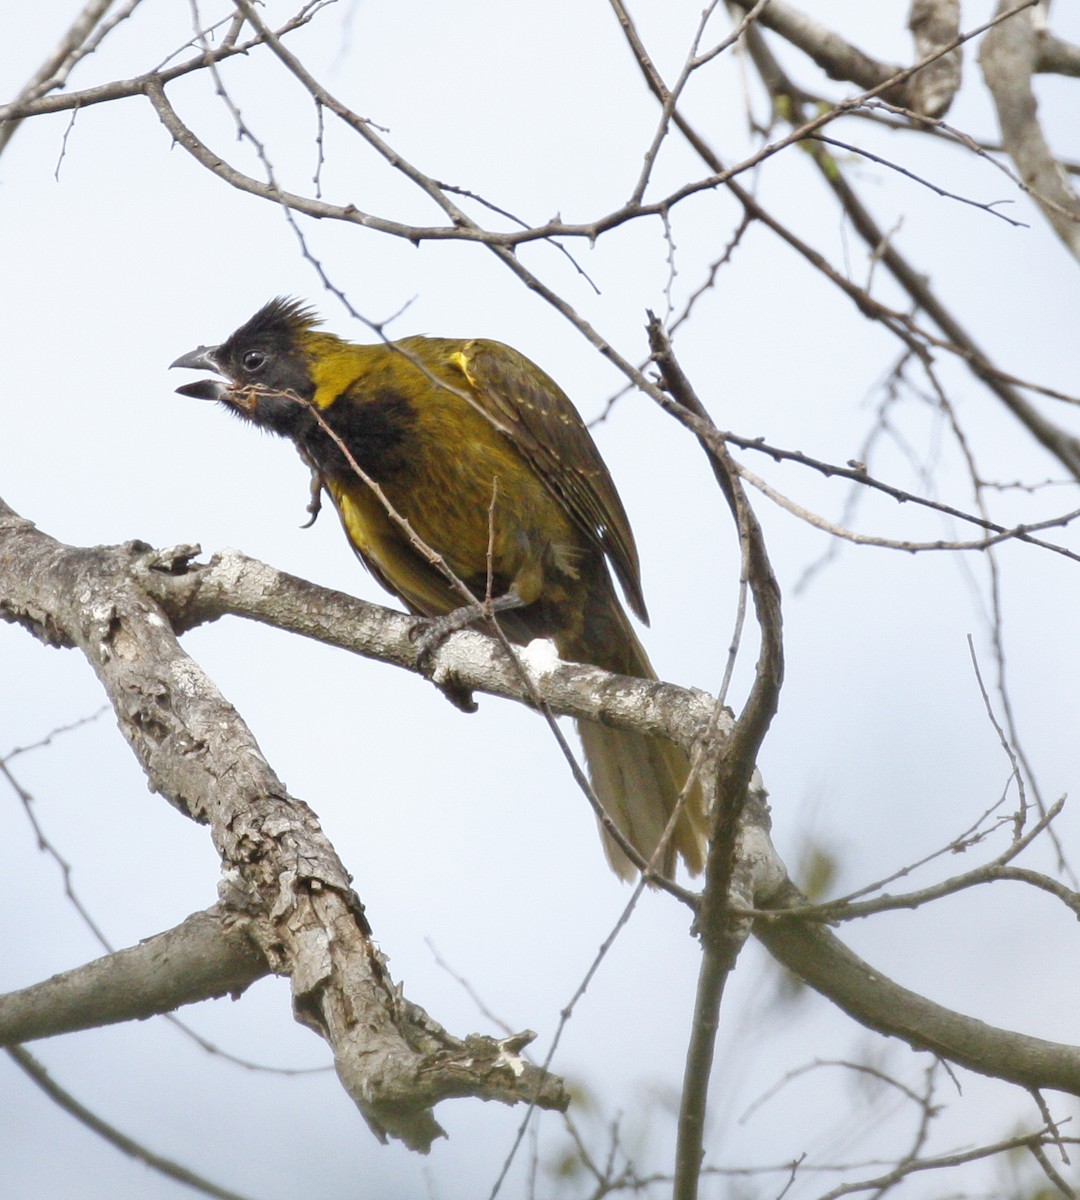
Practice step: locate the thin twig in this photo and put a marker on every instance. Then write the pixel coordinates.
(990, 207)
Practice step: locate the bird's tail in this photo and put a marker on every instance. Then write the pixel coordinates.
(639, 779)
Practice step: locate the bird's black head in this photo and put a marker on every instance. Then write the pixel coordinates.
(265, 363)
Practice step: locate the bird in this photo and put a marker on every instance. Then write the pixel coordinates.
(492, 467)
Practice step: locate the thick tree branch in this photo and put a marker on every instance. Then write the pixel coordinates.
(1057, 57)
(921, 88)
(837, 57)
(819, 958)
(207, 955)
(61, 595)
(394, 1061)
(233, 584)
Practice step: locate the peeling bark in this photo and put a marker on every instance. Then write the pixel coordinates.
(280, 873)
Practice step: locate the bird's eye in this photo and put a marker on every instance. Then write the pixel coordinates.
(253, 360)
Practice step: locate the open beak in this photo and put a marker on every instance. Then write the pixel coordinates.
(202, 359)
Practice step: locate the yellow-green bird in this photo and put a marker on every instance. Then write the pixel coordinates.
(493, 468)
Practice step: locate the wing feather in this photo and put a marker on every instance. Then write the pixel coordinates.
(529, 407)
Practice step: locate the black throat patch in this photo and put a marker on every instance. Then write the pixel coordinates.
(375, 427)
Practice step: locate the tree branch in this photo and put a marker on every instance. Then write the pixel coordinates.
(36, 100)
(126, 1145)
(273, 852)
(207, 955)
(934, 24)
(1009, 57)
(819, 958)
(837, 57)
(1063, 445)
(1057, 57)
(394, 1061)
(233, 584)
(870, 997)
(723, 934)
(48, 76)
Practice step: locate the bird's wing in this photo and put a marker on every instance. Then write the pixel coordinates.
(529, 407)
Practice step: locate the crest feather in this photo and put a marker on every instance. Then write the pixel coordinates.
(282, 315)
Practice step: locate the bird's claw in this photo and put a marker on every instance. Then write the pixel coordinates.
(429, 633)
(314, 506)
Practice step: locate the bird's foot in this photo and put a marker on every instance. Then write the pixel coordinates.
(429, 633)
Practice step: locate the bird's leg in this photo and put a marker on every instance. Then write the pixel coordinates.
(314, 506)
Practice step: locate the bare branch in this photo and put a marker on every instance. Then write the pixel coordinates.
(1050, 1171)
(164, 1166)
(874, 1000)
(942, 1162)
(395, 1062)
(36, 564)
(233, 583)
(210, 954)
(818, 957)
(818, 1064)
(838, 58)
(722, 934)
(1057, 441)
(857, 473)
(1057, 57)
(992, 207)
(26, 105)
(565, 1015)
(129, 988)
(1008, 59)
(934, 24)
(1020, 532)
(53, 71)
(846, 910)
